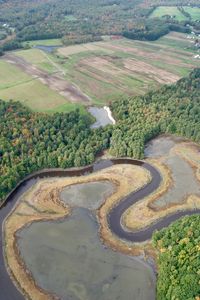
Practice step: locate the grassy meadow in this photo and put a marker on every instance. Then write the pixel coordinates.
(173, 11)
(115, 68)
(38, 58)
(105, 71)
(161, 11)
(194, 12)
(51, 42)
(16, 85)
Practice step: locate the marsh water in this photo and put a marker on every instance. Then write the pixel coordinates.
(101, 116)
(89, 195)
(184, 180)
(68, 259)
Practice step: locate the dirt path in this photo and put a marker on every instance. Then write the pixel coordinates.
(62, 72)
(53, 81)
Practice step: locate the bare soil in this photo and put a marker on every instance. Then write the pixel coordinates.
(159, 75)
(129, 67)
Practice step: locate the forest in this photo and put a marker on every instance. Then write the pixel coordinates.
(152, 30)
(80, 21)
(36, 140)
(179, 261)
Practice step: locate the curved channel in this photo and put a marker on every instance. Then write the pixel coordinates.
(7, 287)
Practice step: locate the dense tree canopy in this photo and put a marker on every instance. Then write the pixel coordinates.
(153, 29)
(78, 21)
(72, 19)
(179, 260)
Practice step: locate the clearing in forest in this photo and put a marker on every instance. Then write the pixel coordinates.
(172, 11)
(17, 85)
(175, 13)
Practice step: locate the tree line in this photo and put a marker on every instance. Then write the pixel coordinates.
(178, 249)
(153, 29)
(80, 21)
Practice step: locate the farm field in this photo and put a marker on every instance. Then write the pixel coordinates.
(173, 11)
(162, 11)
(38, 58)
(50, 42)
(193, 11)
(116, 68)
(17, 85)
(94, 73)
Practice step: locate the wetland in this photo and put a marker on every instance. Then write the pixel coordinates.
(63, 226)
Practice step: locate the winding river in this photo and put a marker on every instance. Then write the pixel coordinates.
(8, 291)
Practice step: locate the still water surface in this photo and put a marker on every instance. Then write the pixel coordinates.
(68, 259)
(89, 195)
(101, 116)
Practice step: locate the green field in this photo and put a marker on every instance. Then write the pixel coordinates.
(194, 12)
(115, 68)
(16, 85)
(39, 58)
(173, 11)
(104, 71)
(50, 42)
(11, 76)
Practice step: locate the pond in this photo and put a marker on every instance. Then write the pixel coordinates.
(67, 258)
(102, 115)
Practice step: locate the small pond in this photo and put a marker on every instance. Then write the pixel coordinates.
(101, 116)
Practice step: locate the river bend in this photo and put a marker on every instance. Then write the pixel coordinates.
(7, 287)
